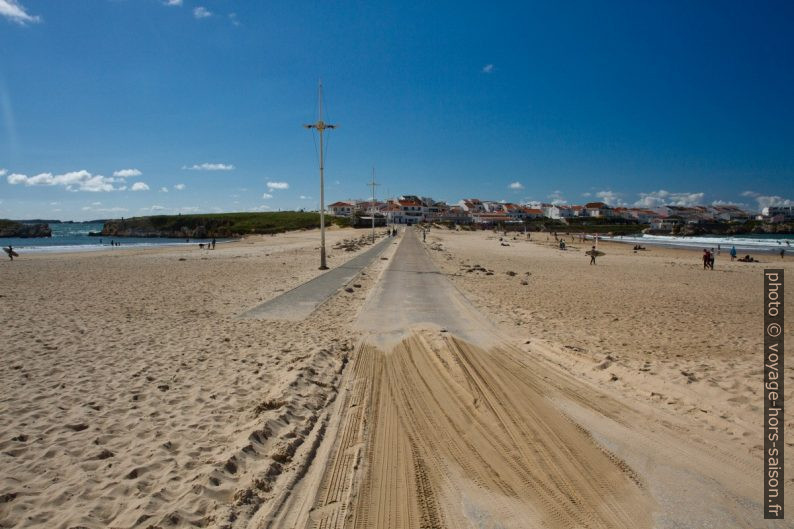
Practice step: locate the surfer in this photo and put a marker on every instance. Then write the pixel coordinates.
(592, 255)
(10, 251)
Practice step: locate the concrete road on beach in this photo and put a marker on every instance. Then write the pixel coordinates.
(413, 293)
(298, 303)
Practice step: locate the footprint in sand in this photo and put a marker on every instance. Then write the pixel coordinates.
(77, 427)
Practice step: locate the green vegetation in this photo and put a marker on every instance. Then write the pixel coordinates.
(12, 228)
(6, 224)
(215, 224)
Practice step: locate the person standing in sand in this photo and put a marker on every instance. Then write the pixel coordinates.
(592, 255)
(733, 253)
(10, 252)
(706, 258)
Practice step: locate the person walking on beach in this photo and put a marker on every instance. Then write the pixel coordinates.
(213, 243)
(10, 252)
(782, 253)
(712, 255)
(592, 255)
(706, 258)
(733, 253)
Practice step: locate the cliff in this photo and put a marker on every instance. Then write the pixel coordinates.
(10, 228)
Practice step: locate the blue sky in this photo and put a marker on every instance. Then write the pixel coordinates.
(130, 107)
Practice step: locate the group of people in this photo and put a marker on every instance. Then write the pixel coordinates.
(708, 259)
(210, 245)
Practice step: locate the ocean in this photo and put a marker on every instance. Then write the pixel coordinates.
(772, 243)
(73, 237)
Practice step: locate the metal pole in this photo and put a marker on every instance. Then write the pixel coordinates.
(320, 126)
(323, 266)
(372, 209)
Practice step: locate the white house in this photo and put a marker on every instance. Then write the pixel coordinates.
(342, 209)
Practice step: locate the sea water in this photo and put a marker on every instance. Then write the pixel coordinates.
(73, 237)
(767, 242)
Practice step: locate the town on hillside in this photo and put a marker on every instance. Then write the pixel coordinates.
(412, 209)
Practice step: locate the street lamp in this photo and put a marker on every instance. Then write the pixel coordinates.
(320, 126)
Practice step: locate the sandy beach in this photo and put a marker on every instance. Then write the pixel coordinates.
(626, 394)
(133, 396)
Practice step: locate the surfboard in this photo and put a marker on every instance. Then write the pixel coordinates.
(12, 253)
(598, 253)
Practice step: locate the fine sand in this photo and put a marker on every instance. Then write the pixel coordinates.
(543, 392)
(132, 396)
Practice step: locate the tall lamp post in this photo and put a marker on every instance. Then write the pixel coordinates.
(320, 126)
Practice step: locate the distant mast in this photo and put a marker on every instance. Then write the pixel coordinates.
(320, 126)
(372, 184)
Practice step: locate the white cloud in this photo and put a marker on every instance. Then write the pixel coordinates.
(127, 173)
(94, 207)
(263, 207)
(488, 68)
(12, 10)
(610, 198)
(73, 181)
(173, 2)
(557, 198)
(163, 190)
(750, 194)
(209, 167)
(233, 19)
(180, 187)
(764, 201)
(277, 185)
(140, 186)
(201, 12)
(3, 172)
(662, 197)
(153, 208)
(304, 197)
(267, 196)
(516, 185)
(586, 194)
(729, 203)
